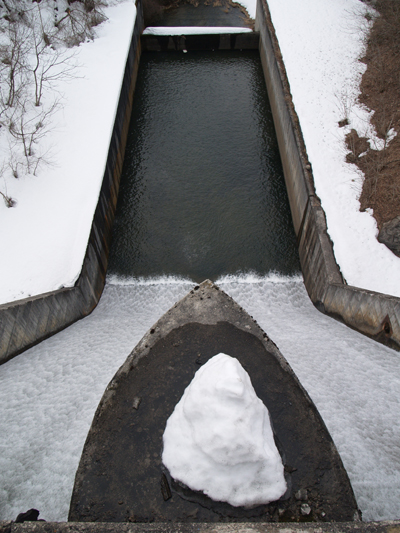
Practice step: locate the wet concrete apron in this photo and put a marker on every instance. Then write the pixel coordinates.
(121, 478)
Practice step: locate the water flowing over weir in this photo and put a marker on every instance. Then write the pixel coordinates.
(51, 392)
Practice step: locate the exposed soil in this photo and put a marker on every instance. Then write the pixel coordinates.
(380, 92)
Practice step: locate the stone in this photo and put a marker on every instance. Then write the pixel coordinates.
(305, 509)
(29, 516)
(301, 494)
(136, 402)
(390, 235)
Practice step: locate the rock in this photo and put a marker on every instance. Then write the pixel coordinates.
(29, 516)
(136, 402)
(390, 235)
(301, 495)
(305, 509)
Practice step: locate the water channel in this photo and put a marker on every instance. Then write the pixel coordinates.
(51, 391)
(202, 190)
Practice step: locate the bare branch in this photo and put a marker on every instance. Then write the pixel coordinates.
(28, 129)
(51, 66)
(10, 202)
(14, 58)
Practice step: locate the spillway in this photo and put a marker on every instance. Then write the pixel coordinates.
(49, 394)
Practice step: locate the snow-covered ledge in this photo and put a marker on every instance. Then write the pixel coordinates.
(374, 314)
(26, 322)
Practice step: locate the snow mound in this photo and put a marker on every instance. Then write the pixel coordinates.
(219, 438)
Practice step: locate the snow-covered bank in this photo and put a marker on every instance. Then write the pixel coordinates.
(44, 238)
(321, 43)
(49, 394)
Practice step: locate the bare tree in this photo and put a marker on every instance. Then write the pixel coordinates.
(79, 19)
(14, 57)
(10, 202)
(51, 65)
(28, 129)
(14, 163)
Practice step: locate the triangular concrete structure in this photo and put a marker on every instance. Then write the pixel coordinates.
(120, 477)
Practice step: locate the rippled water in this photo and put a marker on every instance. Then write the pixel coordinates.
(204, 13)
(202, 192)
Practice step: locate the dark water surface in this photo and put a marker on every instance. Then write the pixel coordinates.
(202, 190)
(203, 14)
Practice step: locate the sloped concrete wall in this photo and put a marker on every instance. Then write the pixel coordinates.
(376, 315)
(26, 322)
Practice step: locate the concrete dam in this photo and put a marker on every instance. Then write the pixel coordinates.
(56, 385)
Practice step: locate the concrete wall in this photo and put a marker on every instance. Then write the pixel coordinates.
(26, 322)
(376, 315)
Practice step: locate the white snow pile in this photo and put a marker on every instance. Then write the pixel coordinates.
(219, 438)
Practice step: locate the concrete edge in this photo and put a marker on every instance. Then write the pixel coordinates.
(388, 526)
(26, 322)
(373, 314)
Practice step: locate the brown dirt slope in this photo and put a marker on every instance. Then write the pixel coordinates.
(380, 92)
